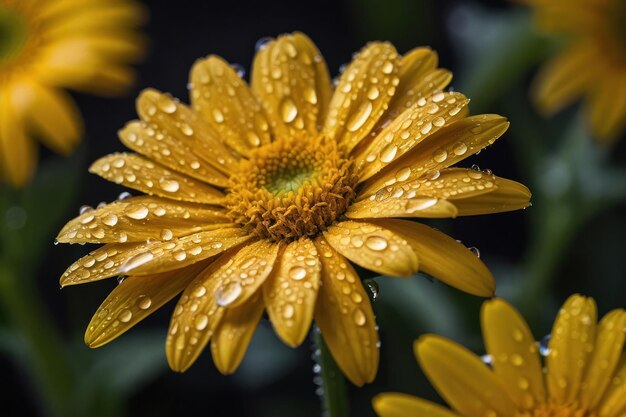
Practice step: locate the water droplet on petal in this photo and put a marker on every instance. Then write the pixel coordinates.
(227, 294)
(359, 317)
(376, 243)
(288, 110)
(544, 345)
(144, 302)
(360, 117)
(297, 273)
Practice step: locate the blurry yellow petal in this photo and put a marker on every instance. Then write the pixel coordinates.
(291, 78)
(444, 148)
(614, 401)
(513, 349)
(139, 219)
(571, 345)
(462, 379)
(444, 258)
(123, 13)
(607, 107)
(170, 152)
(565, 78)
(182, 123)
(139, 173)
(225, 101)
(363, 94)
(233, 335)
(51, 114)
(608, 348)
(345, 317)
(507, 196)
(133, 300)
(195, 318)
(248, 269)
(373, 247)
(410, 128)
(394, 404)
(386, 204)
(290, 293)
(18, 153)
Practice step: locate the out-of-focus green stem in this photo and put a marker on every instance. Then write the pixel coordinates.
(50, 366)
(334, 383)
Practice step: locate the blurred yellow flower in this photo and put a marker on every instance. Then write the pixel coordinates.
(259, 197)
(47, 45)
(592, 65)
(584, 373)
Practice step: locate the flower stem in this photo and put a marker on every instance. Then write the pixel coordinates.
(48, 362)
(335, 403)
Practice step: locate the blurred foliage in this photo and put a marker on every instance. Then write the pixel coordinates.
(571, 240)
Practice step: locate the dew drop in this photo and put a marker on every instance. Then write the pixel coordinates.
(460, 148)
(359, 317)
(389, 153)
(373, 288)
(544, 345)
(166, 234)
(227, 294)
(137, 212)
(136, 261)
(239, 69)
(288, 110)
(262, 43)
(218, 116)
(124, 195)
(440, 155)
(201, 322)
(110, 220)
(360, 117)
(475, 251)
(125, 316)
(376, 243)
(297, 273)
(84, 209)
(169, 185)
(288, 311)
(144, 302)
(310, 95)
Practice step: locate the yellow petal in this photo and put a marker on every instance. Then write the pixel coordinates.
(51, 114)
(565, 78)
(175, 119)
(290, 293)
(345, 317)
(139, 219)
(124, 13)
(386, 204)
(513, 348)
(571, 344)
(444, 148)
(195, 318)
(394, 404)
(444, 258)
(608, 348)
(233, 335)
(363, 94)
(607, 107)
(614, 401)
(169, 151)
(245, 273)
(462, 379)
(133, 300)
(291, 79)
(373, 247)
(139, 173)
(405, 132)
(225, 101)
(507, 196)
(18, 153)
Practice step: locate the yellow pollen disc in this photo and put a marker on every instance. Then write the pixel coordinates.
(556, 410)
(293, 187)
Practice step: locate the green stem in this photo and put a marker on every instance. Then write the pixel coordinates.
(50, 367)
(333, 382)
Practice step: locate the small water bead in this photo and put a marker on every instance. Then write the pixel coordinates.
(487, 360)
(475, 251)
(120, 279)
(180, 255)
(360, 117)
(166, 234)
(288, 110)
(310, 95)
(359, 317)
(389, 153)
(376, 243)
(239, 69)
(440, 155)
(297, 273)
(125, 316)
(517, 360)
(373, 288)
(460, 148)
(544, 345)
(124, 195)
(84, 209)
(136, 261)
(218, 116)
(169, 185)
(262, 43)
(110, 220)
(201, 322)
(227, 294)
(144, 302)
(288, 311)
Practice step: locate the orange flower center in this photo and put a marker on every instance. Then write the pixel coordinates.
(291, 188)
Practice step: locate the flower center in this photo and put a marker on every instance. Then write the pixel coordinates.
(556, 410)
(13, 33)
(291, 188)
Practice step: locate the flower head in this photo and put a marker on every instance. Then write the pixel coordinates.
(592, 65)
(48, 45)
(583, 374)
(259, 197)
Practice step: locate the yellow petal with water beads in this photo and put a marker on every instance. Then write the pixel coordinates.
(443, 257)
(134, 299)
(169, 151)
(363, 94)
(508, 196)
(291, 79)
(345, 317)
(139, 219)
(386, 204)
(224, 100)
(442, 149)
(393, 404)
(613, 403)
(571, 345)
(141, 174)
(425, 118)
(373, 247)
(290, 293)
(195, 318)
(233, 335)
(178, 120)
(462, 379)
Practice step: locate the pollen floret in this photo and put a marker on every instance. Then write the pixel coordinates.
(291, 188)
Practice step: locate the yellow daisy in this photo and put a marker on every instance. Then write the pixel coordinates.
(48, 45)
(259, 196)
(584, 373)
(592, 65)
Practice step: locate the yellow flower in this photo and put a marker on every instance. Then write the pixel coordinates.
(259, 197)
(592, 65)
(584, 373)
(48, 45)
